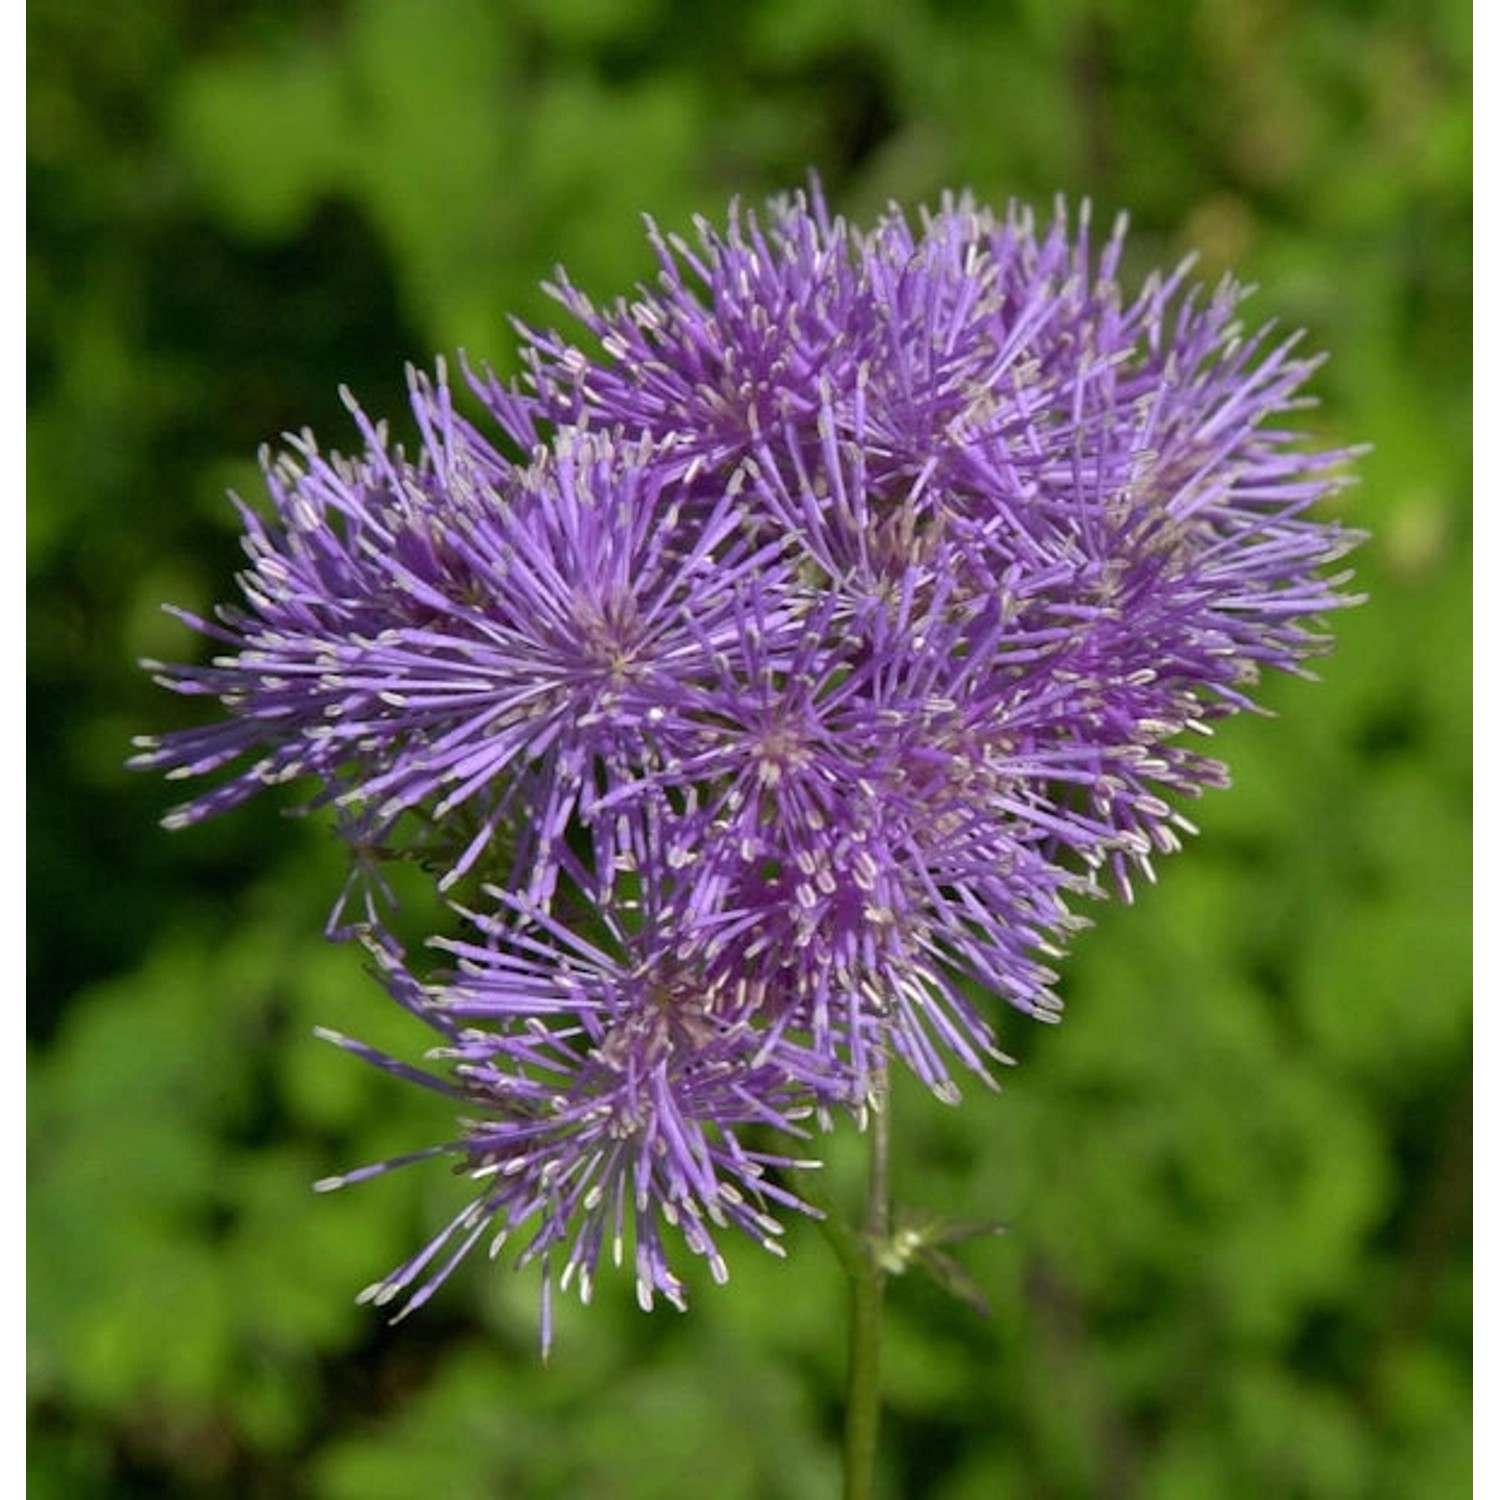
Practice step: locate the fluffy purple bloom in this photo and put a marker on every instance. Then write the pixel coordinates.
(774, 680)
(610, 1089)
(489, 643)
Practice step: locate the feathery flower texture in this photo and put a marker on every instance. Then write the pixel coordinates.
(767, 679)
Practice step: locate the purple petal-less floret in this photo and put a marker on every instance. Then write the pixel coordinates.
(765, 678)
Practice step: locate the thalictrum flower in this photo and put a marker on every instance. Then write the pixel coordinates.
(769, 680)
(492, 644)
(617, 1093)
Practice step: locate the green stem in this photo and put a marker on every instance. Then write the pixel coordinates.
(861, 1254)
(866, 1305)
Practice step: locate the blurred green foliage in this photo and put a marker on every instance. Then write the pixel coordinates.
(1237, 1180)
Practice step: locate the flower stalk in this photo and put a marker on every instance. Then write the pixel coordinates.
(867, 1276)
(866, 1257)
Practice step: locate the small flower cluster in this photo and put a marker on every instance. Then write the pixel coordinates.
(764, 682)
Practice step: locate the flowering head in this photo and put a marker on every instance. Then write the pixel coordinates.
(778, 677)
(615, 1091)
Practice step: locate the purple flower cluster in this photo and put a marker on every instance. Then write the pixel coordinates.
(765, 677)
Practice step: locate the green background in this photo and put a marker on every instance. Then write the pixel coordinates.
(1236, 1179)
